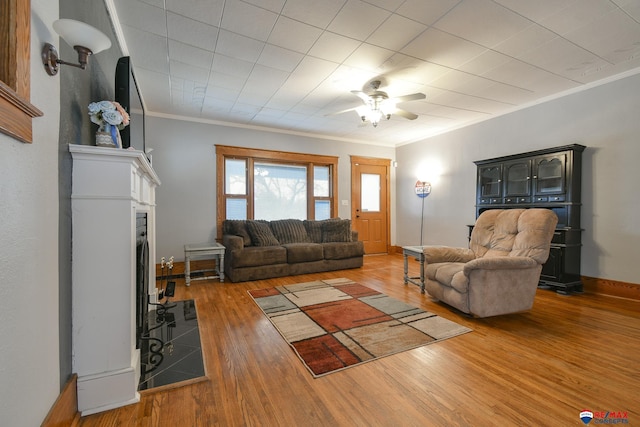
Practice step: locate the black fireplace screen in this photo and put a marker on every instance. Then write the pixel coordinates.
(142, 275)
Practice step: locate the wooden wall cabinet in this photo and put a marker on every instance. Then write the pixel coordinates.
(551, 179)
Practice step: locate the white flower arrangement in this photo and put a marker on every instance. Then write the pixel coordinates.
(108, 113)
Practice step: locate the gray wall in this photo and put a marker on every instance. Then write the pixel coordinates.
(184, 159)
(604, 118)
(29, 374)
(78, 88)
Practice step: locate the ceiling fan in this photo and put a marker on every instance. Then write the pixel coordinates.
(377, 104)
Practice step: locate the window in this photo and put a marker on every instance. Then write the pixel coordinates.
(15, 35)
(279, 191)
(235, 188)
(269, 185)
(321, 192)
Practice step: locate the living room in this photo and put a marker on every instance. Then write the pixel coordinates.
(36, 229)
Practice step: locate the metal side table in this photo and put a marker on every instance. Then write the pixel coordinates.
(418, 254)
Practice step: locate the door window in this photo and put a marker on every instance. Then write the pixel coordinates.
(370, 192)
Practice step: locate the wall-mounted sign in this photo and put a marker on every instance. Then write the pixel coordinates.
(423, 189)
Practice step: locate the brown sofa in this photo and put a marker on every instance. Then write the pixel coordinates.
(499, 273)
(265, 249)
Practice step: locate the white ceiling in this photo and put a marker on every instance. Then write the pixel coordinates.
(286, 64)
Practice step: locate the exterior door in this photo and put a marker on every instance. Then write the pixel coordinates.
(370, 202)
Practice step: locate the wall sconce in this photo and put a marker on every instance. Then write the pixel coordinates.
(85, 39)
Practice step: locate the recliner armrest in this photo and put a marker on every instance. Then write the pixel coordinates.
(499, 263)
(435, 254)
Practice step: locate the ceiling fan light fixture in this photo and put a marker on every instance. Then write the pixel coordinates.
(375, 116)
(377, 105)
(371, 114)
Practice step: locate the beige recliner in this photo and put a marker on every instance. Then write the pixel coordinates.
(499, 273)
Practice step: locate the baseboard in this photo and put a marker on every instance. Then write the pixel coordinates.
(64, 412)
(612, 288)
(178, 267)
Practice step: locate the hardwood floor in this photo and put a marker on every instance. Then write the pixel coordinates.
(541, 367)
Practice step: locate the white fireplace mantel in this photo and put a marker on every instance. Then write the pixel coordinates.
(109, 187)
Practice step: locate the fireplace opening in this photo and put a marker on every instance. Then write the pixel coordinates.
(142, 275)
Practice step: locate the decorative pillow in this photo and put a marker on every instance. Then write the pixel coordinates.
(336, 231)
(237, 227)
(314, 230)
(261, 234)
(289, 231)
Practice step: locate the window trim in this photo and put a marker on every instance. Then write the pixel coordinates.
(16, 112)
(254, 154)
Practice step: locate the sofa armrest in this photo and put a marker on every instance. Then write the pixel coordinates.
(436, 254)
(232, 242)
(499, 263)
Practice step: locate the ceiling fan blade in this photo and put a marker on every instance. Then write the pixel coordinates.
(341, 111)
(412, 97)
(405, 114)
(366, 98)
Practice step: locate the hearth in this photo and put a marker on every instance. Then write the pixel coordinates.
(171, 351)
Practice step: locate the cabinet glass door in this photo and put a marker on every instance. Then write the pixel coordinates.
(490, 180)
(517, 178)
(550, 174)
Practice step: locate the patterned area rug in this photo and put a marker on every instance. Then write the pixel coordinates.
(335, 324)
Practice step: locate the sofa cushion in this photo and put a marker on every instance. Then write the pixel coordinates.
(336, 231)
(303, 252)
(342, 250)
(255, 256)
(289, 231)
(261, 234)
(237, 227)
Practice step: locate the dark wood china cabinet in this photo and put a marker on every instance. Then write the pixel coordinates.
(551, 179)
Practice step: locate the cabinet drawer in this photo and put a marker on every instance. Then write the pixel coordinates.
(495, 200)
(558, 198)
(510, 200)
(484, 201)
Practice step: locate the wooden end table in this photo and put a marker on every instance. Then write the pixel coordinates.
(213, 251)
(418, 254)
